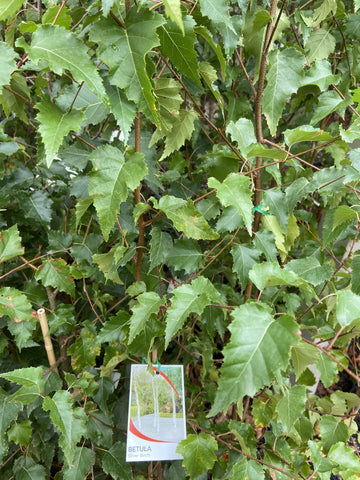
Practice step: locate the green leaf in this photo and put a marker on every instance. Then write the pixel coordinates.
(198, 452)
(204, 32)
(209, 75)
(173, 11)
(28, 377)
(70, 422)
(28, 470)
(80, 466)
(179, 47)
(181, 131)
(243, 133)
(8, 64)
(147, 306)
(305, 133)
(274, 199)
(62, 50)
(55, 124)
(284, 77)
(84, 350)
(185, 255)
(303, 355)
(352, 132)
(123, 109)
(21, 433)
(291, 406)
(8, 413)
(112, 330)
(247, 470)
(328, 370)
(38, 207)
(310, 270)
(345, 457)
(124, 51)
(110, 180)
(328, 103)
(186, 218)
(14, 304)
(254, 353)
(107, 5)
(355, 273)
(8, 8)
(296, 191)
(343, 214)
(188, 298)
(347, 307)
(160, 246)
(332, 430)
(114, 465)
(319, 44)
(10, 244)
(264, 241)
(321, 463)
(244, 257)
(56, 273)
(235, 191)
(109, 262)
(167, 93)
(320, 74)
(326, 8)
(267, 274)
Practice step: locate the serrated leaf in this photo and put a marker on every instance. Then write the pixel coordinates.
(38, 207)
(344, 456)
(352, 132)
(209, 75)
(310, 270)
(319, 44)
(124, 51)
(181, 131)
(80, 466)
(244, 257)
(8, 8)
(305, 133)
(10, 244)
(173, 11)
(14, 304)
(107, 5)
(284, 77)
(147, 306)
(303, 355)
(247, 470)
(198, 453)
(160, 246)
(347, 307)
(167, 93)
(274, 199)
(264, 241)
(254, 352)
(320, 74)
(235, 191)
(186, 218)
(243, 133)
(56, 273)
(332, 430)
(189, 298)
(8, 64)
(8, 413)
(114, 465)
(185, 255)
(84, 350)
(110, 180)
(326, 8)
(204, 32)
(179, 47)
(328, 370)
(321, 463)
(55, 124)
(296, 191)
(291, 406)
(112, 330)
(70, 422)
(27, 377)
(109, 262)
(62, 50)
(343, 214)
(267, 274)
(123, 109)
(328, 103)
(20, 433)
(28, 470)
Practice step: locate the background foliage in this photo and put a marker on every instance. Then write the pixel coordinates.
(179, 181)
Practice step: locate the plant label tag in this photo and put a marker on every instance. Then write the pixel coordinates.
(156, 420)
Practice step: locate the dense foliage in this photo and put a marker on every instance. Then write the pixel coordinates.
(179, 182)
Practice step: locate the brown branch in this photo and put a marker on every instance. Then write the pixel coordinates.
(59, 11)
(92, 305)
(5, 87)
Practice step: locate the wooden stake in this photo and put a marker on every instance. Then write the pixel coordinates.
(47, 339)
